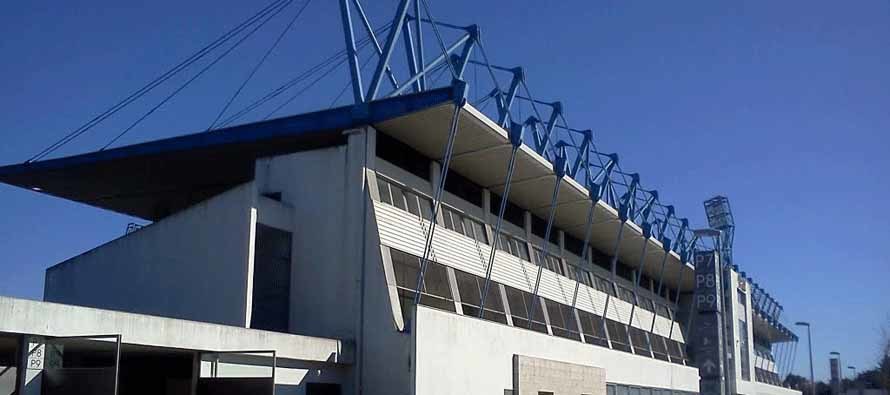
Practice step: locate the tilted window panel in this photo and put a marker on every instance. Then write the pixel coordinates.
(550, 262)
(659, 349)
(592, 326)
(436, 291)
(406, 200)
(514, 246)
(640, 341)
(562, 320)
(618, 335)
(461, 223)
(470, 288)
(520, 303)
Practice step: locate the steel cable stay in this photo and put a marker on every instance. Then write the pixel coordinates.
(296, 80)
(305, 88)
(196, 76)
(259, 64)
(349, 82)
(157, 81)
(595, 195)
(429, 14)
(515, 142)
(437, 196)
(317, 80)
(559, 168)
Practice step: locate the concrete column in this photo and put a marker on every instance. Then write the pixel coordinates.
(31, 363)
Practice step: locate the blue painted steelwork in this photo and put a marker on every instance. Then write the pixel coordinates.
(330, 121)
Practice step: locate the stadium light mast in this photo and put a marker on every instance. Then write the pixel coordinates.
(810, 344)
(720, 217)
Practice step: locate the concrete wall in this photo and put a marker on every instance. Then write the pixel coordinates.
(531, 376)
(756, 388)
(462, 355)
(312, 183)
(193, 264)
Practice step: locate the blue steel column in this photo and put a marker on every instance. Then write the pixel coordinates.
(623, 215)
(459, 102)
(394, 31)
(370, 30)
(516, 142)
(354, 70)
(504, 107)
(559, 167)
(595, 192)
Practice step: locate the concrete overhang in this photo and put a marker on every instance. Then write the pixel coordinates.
(20, 316)
(481, 153)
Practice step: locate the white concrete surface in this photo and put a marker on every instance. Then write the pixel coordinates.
(757, 388)
(52, 319)
(192, 265)
(477, 356)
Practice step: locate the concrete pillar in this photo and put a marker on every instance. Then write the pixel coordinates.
(31, 362)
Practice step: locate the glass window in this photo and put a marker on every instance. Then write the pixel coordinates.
(592, 326)
(398, 198)
(520, 303)
(406, 200)
(626, 295)
(604, 285)
(436, 291)
(562, 320)
(676, 350)
(383, 186)
(646, 303)
(551, 262)
(411, 200)
(522, 248)
(513, 246)
(640, 341)
(470, 288)
(659, 350)
(663, 311)
(618, 335)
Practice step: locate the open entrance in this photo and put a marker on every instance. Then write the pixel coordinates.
(270, 309)
(75, 365)
(8, 363)
(237, 373)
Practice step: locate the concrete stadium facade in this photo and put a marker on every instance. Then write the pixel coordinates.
(324, 240)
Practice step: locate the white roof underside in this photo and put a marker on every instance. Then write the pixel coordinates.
(481, 154)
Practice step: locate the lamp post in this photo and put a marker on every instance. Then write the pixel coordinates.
(810, 344)
(840, 370)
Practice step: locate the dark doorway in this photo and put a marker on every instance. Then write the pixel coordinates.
(271, 280)
(8, 363)
(322, 389)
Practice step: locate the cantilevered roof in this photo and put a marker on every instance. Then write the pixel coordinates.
(481, 153)
(154, 179)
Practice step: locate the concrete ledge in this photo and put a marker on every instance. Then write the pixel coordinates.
(52, 319)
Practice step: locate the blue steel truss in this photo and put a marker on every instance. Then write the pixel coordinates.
(546, 126)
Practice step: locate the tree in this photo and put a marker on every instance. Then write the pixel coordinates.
(796, 382)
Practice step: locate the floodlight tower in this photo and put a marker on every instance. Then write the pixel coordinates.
(720, 217)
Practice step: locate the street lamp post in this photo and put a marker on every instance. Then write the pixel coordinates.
(810, 343)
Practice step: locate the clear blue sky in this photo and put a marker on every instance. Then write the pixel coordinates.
(783, 106)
